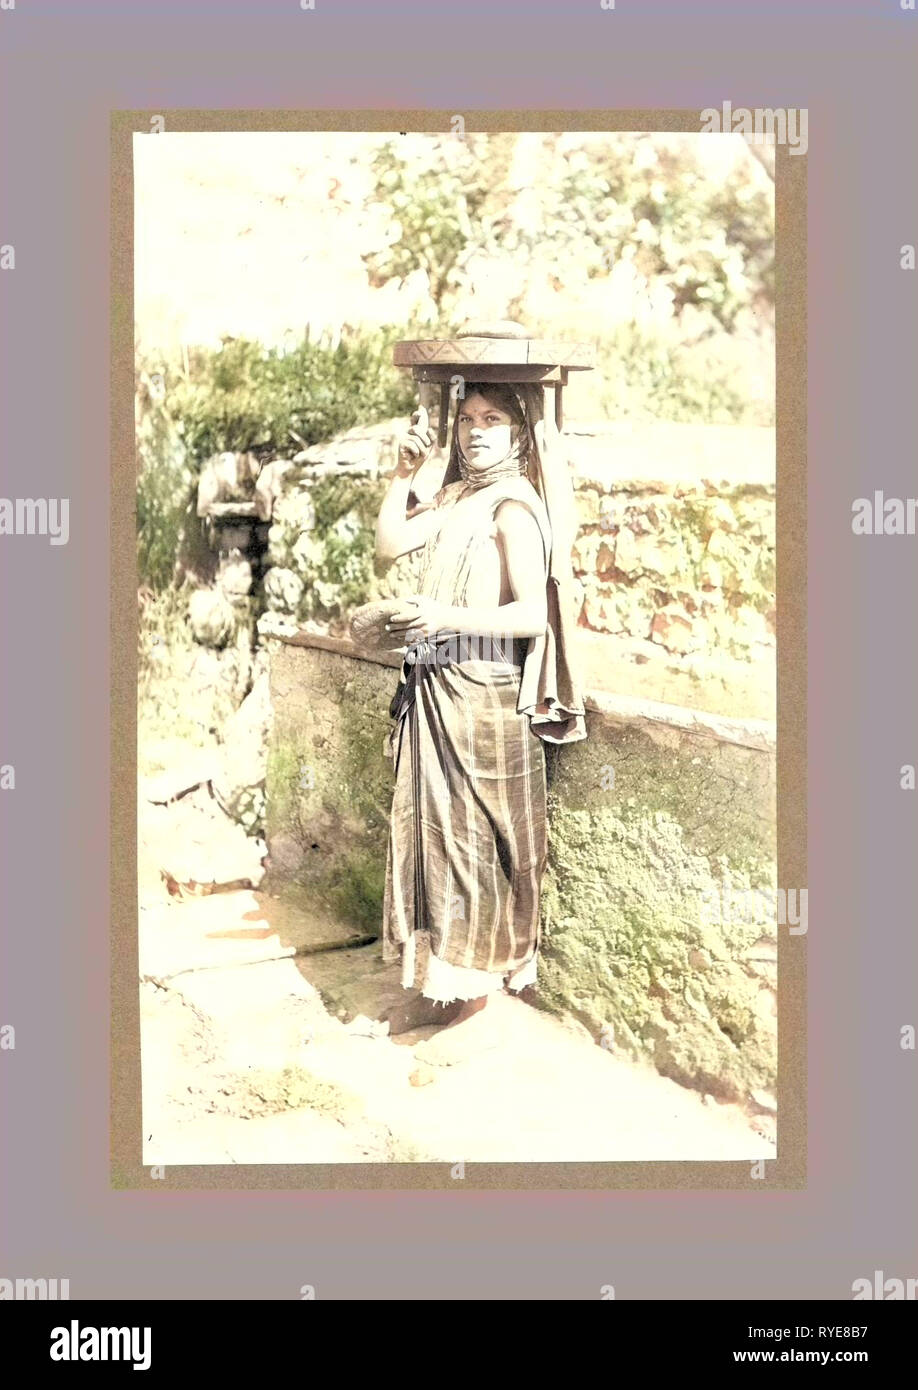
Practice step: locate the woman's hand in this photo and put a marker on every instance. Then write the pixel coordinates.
(397, 532)
(421, 617)
(414, 447)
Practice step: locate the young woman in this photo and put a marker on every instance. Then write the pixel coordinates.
(486, 679)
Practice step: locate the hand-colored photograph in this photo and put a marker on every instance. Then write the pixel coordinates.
(456, 632)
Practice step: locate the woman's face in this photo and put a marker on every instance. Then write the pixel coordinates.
(486, 432)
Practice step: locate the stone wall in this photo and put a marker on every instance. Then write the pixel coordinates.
(656, 809)
(675, 556)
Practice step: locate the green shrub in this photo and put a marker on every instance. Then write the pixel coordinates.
(247, 397)
(244, 397)
(165, 481)
(342, 578)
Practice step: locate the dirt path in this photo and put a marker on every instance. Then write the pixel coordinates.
(261, 1043)
(260, 1060)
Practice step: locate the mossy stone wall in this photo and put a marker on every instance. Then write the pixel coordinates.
(651, 818)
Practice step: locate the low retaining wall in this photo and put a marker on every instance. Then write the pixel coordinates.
(674, 563)
(652, 817)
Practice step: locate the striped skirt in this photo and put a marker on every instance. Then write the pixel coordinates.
(468, 830)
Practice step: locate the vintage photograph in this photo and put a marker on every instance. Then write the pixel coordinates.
(456, 631)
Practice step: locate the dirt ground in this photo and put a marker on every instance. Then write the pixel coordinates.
(264, 1043)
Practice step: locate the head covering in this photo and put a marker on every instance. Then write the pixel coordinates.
(550, 687)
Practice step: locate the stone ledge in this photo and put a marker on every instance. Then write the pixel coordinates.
(342, 646)
(626, 709)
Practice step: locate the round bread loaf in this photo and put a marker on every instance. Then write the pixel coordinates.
(368, 625)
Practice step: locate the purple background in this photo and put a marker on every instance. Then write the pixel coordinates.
(63, 69)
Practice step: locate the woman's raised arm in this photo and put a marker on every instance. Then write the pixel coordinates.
(396, 532)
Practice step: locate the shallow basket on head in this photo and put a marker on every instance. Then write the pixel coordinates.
(493, 352)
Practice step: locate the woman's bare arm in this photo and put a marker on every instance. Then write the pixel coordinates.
(396, 532)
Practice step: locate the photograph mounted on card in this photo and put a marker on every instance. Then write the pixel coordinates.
(457, 530)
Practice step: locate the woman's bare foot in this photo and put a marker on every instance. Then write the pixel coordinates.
(475, 1029)
(419, 1012)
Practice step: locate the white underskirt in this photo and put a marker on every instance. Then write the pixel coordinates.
(444, 982)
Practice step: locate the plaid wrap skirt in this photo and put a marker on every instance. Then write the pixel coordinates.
(467, 839)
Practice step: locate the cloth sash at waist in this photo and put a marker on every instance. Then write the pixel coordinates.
(448, 651)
